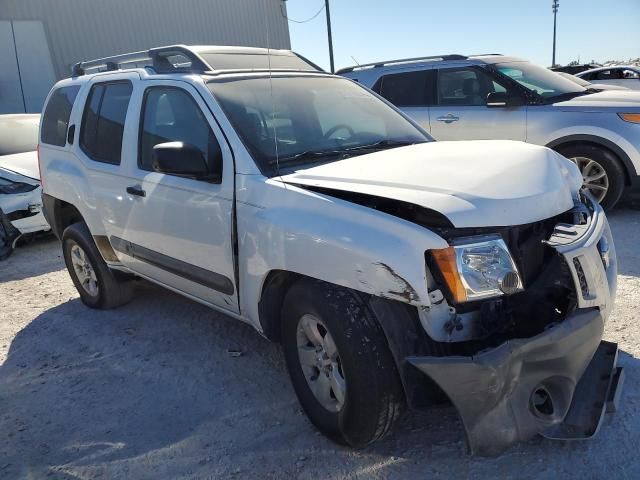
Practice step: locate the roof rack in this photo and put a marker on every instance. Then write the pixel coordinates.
(404, 60)
(172, 59)
(197, 59)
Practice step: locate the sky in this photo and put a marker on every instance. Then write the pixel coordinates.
(373, 30)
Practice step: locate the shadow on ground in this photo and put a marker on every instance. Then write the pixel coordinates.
(39, 256)
(151, 391)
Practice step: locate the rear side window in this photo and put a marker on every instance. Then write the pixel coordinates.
(103, 121)
(171, 115)
(409, 89)
(56, 116)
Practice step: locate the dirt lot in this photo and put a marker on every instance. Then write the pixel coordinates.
(150, 391)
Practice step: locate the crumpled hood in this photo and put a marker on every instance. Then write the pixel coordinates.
(472, 183)
(609, 99)
(25, 164)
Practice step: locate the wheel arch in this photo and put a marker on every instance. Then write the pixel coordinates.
(571, 140)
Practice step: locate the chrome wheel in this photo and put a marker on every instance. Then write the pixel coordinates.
(84, 271)
(321, 363)
(594, 177)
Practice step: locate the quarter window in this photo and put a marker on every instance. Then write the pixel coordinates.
(408, 89)
(465, 87)
(56, 116)
(103, 121)
(171, 115)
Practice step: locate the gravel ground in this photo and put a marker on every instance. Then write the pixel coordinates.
(151, 391)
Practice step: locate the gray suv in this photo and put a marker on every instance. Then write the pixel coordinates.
(455, 97)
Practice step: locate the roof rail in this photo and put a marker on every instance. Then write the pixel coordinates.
(175, 58)
(404, 60)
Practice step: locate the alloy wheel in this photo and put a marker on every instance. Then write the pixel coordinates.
(594, 177)
(84, 271)
(320, 362)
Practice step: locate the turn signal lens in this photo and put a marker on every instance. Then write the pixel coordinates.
(630, 117)
(445, 258)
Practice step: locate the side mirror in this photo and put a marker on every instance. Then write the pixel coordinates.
(503, 99)
(183, 160)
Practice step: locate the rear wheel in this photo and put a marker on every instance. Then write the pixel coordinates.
(339, 362)
(98, 286)
(602, 172)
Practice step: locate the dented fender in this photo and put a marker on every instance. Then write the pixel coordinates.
(284, 227)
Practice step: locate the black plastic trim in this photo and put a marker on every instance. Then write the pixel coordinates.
(182, 269)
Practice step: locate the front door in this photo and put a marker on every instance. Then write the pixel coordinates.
(460, 111)
(179, 230)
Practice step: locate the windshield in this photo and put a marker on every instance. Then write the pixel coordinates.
(309, 119)
(539, 80)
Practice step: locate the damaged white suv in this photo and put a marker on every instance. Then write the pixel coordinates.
(393, 269)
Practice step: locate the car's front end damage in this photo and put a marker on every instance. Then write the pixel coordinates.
(530, 359)
(20, 200)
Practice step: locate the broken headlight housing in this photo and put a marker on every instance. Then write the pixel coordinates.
(9, 187)
(475, 268)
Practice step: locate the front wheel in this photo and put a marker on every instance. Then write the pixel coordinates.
(340, 364)
(602, 172)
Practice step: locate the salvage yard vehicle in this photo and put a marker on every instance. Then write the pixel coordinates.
(627, 76)
(20, 193)
(457, 97)
(394, 270)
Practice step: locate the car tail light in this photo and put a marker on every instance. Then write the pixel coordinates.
(39, 165)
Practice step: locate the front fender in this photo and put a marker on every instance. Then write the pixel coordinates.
(283, 227)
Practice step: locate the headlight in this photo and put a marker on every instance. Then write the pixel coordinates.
(478, 267)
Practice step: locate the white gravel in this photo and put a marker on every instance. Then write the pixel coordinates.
(151, 391)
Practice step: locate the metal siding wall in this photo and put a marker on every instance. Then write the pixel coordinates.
(85, 29)
(11, 100)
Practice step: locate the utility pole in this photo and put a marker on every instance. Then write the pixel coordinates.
(556, 4)
(326, 7)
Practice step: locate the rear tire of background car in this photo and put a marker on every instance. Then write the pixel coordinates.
(99, 286)
(363, 404)
(593, 161)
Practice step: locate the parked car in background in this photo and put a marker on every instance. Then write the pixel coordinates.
(306, 206)
(20, 192)
(620, 75)
(456, 97)
(573, 69)
(589, 85)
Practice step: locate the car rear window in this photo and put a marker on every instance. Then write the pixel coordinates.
(103, 121)
(408, 89)
(56, 116)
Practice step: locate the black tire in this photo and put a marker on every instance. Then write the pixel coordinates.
(609, 162)
(374, 396)
(113, 289)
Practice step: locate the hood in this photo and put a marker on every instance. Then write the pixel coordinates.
(473, 183)
(609, 99)
(607, 86)
(25, 164)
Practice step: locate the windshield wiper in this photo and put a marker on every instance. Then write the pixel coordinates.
(344, 153)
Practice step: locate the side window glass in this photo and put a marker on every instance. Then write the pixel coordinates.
(630, 74)
(408, 89)
(171, 115)
(55, 120)
(103, 121)
(465, 87)
(603, 75)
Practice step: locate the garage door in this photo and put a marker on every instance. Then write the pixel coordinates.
(26, 69)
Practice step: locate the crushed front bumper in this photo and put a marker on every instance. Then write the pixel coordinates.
(526, 386)
(558, 383)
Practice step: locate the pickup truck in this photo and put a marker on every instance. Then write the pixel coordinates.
(394, 270)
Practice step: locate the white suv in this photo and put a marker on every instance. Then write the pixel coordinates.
(391, 268)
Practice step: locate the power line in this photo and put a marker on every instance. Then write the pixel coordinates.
(300, 21)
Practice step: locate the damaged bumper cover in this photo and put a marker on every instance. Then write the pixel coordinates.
(526, 386)
(558, 383)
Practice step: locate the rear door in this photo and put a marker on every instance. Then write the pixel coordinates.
(460, 111)
(410, 91)
(178, 230)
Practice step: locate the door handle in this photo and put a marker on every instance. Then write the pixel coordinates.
(136, 190)
(448, 118)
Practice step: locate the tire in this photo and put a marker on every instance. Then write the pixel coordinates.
(591, 160)
(99, 287)
(373, 396)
